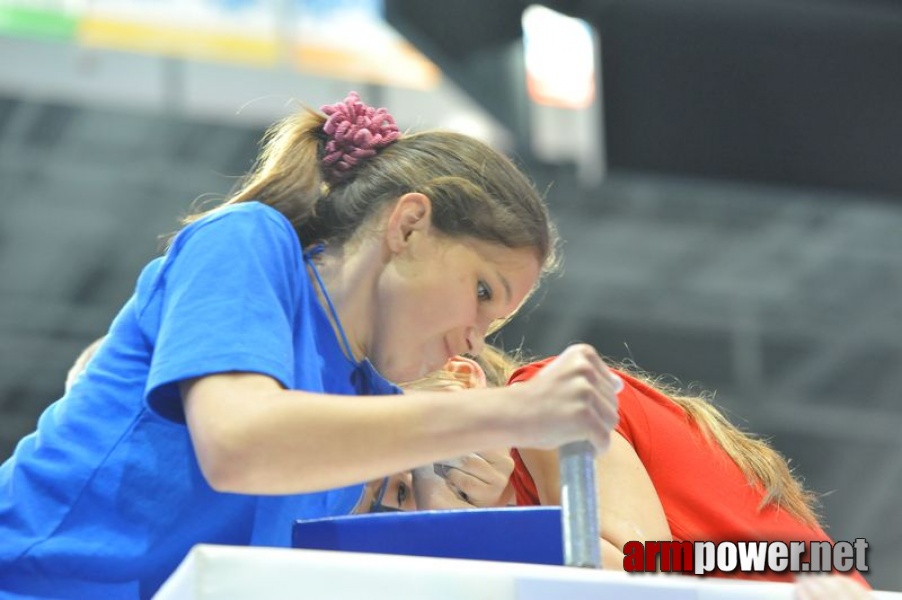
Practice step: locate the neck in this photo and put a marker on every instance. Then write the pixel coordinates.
(348, 278)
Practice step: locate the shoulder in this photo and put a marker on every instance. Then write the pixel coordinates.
(248, 222)
(634, 390)
(236, 249)
(528, 371)
(249, 238)
(640, 393)
(631, 399)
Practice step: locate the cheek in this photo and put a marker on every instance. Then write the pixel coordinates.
(404, 310)
(458, 301)
(419, 320)
(435, 313)
(427, 306)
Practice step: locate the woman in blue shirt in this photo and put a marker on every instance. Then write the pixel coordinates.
(246, 383)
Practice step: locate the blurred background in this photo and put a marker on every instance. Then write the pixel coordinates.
(727, 177)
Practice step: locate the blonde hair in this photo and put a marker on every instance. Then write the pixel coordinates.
(758, 461)
(498, 364)
(475, 191)
(81, 362)
(434, 381)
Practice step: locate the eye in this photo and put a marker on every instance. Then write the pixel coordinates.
(483, 291)
(403, 493)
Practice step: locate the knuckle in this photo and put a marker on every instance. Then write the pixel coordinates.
(584, 414)
(586, 390)
(467, 486)
(584, 369)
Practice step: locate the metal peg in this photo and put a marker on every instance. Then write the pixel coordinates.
(582, 547)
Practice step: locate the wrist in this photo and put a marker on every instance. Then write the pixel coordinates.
(482, 419)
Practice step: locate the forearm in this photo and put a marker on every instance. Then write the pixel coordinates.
(284, 442)
(251, 436)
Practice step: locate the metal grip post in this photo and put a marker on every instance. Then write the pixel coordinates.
(582, 547)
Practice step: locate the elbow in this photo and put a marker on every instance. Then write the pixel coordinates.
(223, 478)
(612, 556)
(222, 462)
(221, 433)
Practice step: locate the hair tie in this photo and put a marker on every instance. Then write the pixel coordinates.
(356, 132)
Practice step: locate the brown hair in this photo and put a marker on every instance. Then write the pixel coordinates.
(475, 190)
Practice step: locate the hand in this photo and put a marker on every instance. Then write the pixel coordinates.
(573, 398)
(476, 480)
(829, 587)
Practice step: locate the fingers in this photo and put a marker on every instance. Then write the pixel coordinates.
(487, 464)
(478, 479)
(596, 417)
(583, 391)
(433, 492)
(618, 383)
(604, 404)
(599, 373)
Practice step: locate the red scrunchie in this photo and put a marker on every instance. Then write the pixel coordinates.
(356, 131)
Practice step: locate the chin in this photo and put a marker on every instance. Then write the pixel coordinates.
(404, 372)
(400, 375)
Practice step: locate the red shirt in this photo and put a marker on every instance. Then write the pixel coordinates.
(705, 495)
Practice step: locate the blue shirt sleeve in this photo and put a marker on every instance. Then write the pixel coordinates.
(225, 300)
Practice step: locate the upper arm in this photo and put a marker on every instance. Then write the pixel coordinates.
(225, 300)
(225, 391)
(631, 508)
(217, 408)
(628, 504)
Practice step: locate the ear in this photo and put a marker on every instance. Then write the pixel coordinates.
(411, 213)
(467, 370)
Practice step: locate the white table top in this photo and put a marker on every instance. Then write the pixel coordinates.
(232, 572)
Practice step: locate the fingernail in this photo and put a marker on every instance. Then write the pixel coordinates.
(618, 383)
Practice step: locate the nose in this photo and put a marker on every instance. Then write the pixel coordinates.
(475, 340)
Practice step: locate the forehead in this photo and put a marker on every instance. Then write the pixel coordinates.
(502, 257)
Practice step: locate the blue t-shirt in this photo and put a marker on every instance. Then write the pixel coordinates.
(106, 497)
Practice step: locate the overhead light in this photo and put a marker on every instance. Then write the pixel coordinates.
(560, 58)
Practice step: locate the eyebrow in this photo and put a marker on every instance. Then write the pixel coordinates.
(506, 284)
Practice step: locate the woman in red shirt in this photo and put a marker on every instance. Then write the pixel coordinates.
(677, 470)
